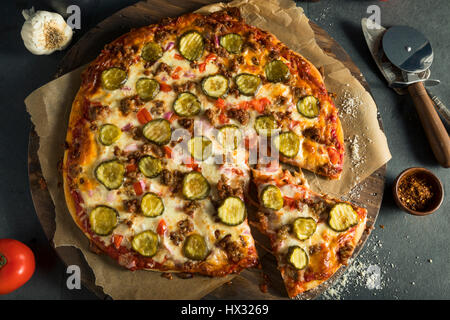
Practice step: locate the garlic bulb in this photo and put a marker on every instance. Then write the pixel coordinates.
(44, 32)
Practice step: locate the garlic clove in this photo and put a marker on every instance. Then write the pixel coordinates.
(44, 32)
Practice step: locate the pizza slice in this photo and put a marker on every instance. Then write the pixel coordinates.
(311, 235)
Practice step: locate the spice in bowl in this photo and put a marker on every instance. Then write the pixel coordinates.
(418, 191)
(415, 192)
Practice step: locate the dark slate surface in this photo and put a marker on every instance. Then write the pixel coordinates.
(411, 252)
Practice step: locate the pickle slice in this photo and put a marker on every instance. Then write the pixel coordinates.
(288, 144)
(266, 125)
(109, 134)
(272, 198)
(110, 174)
(195, 186)
(187, 105)
(158, 131)
(191, 45)
(247, 84)
(103, 220)
(342, 217)
(152, 205)
(276, 71)
(308, 106)
(200, 148)
(147, 89)
(215, 86)
(113, 78)
(150, 166)
(151, 52)
(232, 42)
(304, 228)
(195, 247)
(230, 137)
(297, 257)
(232, 212)
(145, 243)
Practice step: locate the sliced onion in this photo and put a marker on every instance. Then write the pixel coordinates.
(216, 40)
(111, 196)
(127, 127)
(168, 115)
(170, 45)
(131, 148)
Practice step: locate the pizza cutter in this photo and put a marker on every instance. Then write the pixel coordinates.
(404, 56)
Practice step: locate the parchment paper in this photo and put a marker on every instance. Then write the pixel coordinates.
(49, 107)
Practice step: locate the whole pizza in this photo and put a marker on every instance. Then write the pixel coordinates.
(175, 123)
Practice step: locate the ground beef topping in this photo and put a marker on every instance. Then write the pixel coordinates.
(130, 104)
(225, 190)
(239, 114)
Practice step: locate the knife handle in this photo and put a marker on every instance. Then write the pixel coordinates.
(434, 129)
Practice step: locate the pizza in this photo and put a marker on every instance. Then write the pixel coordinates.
(311, 235)
(164, 132)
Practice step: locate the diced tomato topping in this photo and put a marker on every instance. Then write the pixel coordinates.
(138, 189)
(175, 74)
(220, 103)
(335, 157)
(162, 227)
(290, 202)
(223, 118)
(260, 104)
(131, 167)
(168, 151)
(173, 117)
(178, 56)
(144, 116)
(210, 57)
(164, 87)
(202, 67)
(117, 240)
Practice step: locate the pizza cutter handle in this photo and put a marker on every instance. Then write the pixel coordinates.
(434, 128)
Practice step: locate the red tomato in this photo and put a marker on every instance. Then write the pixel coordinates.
(138, 188)
(162, 227)
(16, 265)
(164, 87)
(144, 116)
(117, 240)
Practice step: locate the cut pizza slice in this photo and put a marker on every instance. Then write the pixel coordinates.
(311, 235)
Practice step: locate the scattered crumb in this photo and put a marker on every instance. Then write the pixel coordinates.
(349, 104)
(356, 147)
(430, 260)
(381, 226)
(365, 272)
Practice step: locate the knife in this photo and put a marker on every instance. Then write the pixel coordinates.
(403, 82)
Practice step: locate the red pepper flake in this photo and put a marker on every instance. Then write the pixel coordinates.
(223, 118)
(144, 116)
(415, 192)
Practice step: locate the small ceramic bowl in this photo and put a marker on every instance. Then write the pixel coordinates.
(431, 179)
